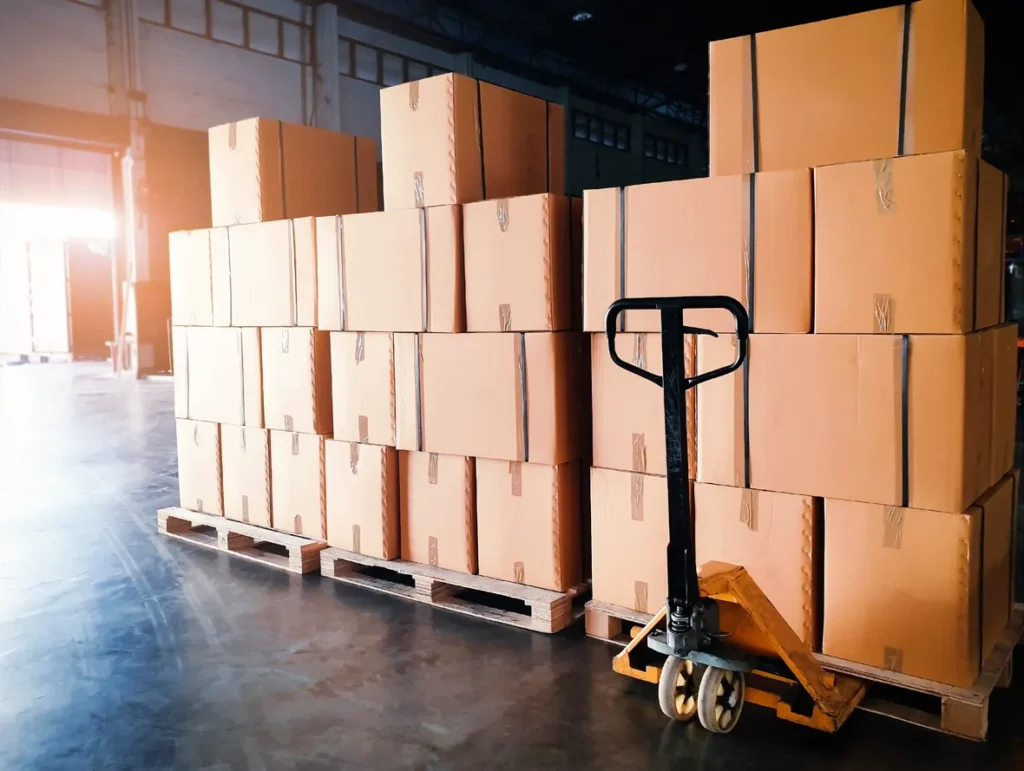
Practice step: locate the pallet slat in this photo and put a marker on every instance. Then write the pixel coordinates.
(546, 611)
(241, 539)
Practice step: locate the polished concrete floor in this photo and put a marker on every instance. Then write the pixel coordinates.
(120, 649)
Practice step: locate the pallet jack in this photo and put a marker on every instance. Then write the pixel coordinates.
(722, 640)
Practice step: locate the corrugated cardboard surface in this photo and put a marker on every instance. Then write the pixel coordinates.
(191, 278)
(431, 139)
(398, 270)
(363, 387)
(518, 258)
(467, 395)
(263, 170)
(299, 483)
(825, 418)
(692, 237)
(528, 523)
(999, 505)
(264, 275)
(629, 412)
(1004, 399)
(218, 375)
(829, 92)
(775, 537)
(199, 477)
(362, 499)
(993, 187)
(904, 588)
(245, 454)
(438, 505)
(297, 380)
(880, 226)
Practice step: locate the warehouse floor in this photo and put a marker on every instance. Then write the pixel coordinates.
(122, 649)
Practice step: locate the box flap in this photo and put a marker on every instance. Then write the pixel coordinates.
(991, 246)
(296, 380)
(362, 499)
(191, 278)
(1004, 400)
(363, 387)
(299, 486)
(199, 478)
(245, 172)
(245, 454)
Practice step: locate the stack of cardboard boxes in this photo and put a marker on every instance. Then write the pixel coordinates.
(252, 372)
(859, 466)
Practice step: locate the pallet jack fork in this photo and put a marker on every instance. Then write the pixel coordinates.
(717, 626)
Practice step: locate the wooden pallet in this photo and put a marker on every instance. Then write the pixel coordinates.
(958, 711)
(506, 602)
(251, 542)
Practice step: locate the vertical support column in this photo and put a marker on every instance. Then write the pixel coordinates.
(326, 91)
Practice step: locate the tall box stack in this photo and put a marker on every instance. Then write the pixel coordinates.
(252, 371)
(452, 352)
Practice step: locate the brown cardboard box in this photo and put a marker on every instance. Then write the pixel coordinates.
(263, 170)
(918, 592)
(998, 506)
(826, 418)
(191, 278)
(993, 186)
(363, 387)
(775, 536)
(518, 258)
(199, 479)
(245, 454)
(452, 139)
(1003, 426)
(629, 412)
(297, 380)
(830, 92)
(217, 375)
(401, 271)
(264, 275)
(691, 237)
(505, 396)
(882, 225)
(438, 505)
(299, 486)
(629, 526)
(362, 499)
(528, 523)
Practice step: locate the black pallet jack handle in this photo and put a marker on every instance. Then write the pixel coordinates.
(683, 589)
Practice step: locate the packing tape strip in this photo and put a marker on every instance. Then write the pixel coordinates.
(639, 453)
(640, 596)
(353, 457)
(515, 470)
(748, 509)
(432, 551)
(636, 497)
(892, 527)
(432, 468)
(363, 425)
(519, 572)
(882, 312)
(505, 317)
(357, 540)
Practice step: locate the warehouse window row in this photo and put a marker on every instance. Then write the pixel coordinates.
(600, 131)
(375, 65)
(667, 150)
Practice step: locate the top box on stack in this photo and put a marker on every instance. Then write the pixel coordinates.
(451, 139)
(897, 81)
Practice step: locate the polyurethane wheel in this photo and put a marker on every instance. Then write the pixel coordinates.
(677, 688)
(720, 699)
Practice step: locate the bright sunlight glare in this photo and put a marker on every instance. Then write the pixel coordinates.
(34, 222)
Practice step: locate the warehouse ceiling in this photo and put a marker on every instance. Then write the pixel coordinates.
(651, 55)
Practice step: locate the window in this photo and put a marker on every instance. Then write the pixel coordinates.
(392, 70)
(345, 57)
(366, 64)
(667, 150)
(385, 68)
(591, 128)
(579, 125)
(417, 70)
(622, 138)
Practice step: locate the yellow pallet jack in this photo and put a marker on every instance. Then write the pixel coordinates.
(722, 641)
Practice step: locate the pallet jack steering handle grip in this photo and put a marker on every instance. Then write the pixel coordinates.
(676, 306)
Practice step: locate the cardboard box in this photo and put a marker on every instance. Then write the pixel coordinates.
(914, 591)
(489, 395)
(362, 499)
(519, 254)
(452, 139)
(999, 510)
(882, 225)
(692, 237)
(264, 275)
(199, 479)
(438, 505)
(400, 271)
(629, 412)
(363, 387)
(629, 527)
(297, 380)
(989, 304)
(218, 375)
(191, 278)
(826, 415)
(775, 536)
(263, 170)
(528, 523)
(245, 460)
(1003, 425)
(299, 488)
(830, 92)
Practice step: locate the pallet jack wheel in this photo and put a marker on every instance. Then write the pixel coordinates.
(677, 688)
(720, 699)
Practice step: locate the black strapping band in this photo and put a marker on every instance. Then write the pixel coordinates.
(905, 416)
(977, 216)
(752, 191)
(904, 74)
(746, 418)
(755, 116)
(622, 254)
(480, 141)
(525, 401)
(424, 269)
